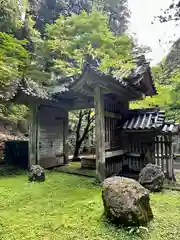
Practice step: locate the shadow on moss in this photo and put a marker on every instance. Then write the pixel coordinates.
(9, 170)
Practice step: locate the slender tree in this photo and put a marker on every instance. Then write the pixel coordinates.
(84, 123)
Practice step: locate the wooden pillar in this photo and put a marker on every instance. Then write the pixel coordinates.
(33, 146)
(65, 139)
(166, 142)
(171, 161)
(37, 120)
(100, 134)
(162, 153)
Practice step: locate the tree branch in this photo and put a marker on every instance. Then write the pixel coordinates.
(90, 129)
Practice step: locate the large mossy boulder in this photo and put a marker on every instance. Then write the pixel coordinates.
(126, 202)
(152, 178)
(36, 174)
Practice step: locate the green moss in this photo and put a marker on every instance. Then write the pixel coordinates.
(75, 168)
(70, 207)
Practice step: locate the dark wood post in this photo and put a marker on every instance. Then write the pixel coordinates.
(100, 134)
(162, 152)
(33, 137)
(65, 139)
(37, 120)
(171, 160)
(166, 142)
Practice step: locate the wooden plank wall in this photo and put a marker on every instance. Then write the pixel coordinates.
(164, 154)
(139, 149)
(113, 165)
(33, 132)
(113, 141)
(51, 136)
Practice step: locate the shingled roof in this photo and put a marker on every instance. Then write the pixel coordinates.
(8, 91)
(131, 83)
(31, 88)
(127, 77)
(148, 119)
(26, 86)
(137, 80)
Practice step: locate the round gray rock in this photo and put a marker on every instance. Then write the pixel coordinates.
(36, 173)
(126, 202)
(152, 178)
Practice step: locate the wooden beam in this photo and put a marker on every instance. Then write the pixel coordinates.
(110, 154)
(131, 154)
(123, 95)
(33, 134)
(22, 98)
(112, 86)
(112, 115)
(100, 133)
(81, 105)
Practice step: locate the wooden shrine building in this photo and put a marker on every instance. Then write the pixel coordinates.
(147, 138)
(110, 96)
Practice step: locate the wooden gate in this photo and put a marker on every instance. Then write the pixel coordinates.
(164, 154)
(51, 138)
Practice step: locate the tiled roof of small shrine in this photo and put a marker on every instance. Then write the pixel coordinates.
(148, 119)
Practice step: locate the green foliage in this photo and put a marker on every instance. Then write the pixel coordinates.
(175, 96)
(76, 30)
(172, 60)
(10, 16)
(13, 58)
(117, 12)
(170, 70)
(163, 99)
(33, 34)
(168, 88)
(71, 39)
(37, 67)
(14, 112)
(48, 11)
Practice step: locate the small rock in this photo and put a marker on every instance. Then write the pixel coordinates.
(152, 178)
(36, 173)
(126, 202)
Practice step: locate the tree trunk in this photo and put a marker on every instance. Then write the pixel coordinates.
(80, 139)
(76, 151)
